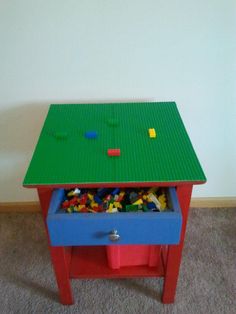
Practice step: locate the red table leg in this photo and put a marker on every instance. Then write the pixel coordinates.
(175, 251)
(59, 255)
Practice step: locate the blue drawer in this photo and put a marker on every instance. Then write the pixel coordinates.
(132, 228)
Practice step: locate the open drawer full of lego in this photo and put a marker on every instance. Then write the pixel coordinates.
(135, 223)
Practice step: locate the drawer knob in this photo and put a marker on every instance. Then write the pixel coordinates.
(114, 236)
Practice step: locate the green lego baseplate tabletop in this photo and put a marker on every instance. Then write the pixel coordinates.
(65, 155)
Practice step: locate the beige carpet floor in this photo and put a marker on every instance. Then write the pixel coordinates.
(207, 282)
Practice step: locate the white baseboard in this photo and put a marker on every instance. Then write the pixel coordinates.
(213, 202)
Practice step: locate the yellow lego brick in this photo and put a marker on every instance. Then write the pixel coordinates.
(80, 207)
(152, 133)
(90, 196)
(94, 204)
(112, 210)
(162, 200)
(71, 193)
(153, 190)
(163, 206)
(138, 202)
(117, 204)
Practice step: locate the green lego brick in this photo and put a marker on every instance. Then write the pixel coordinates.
(131, 208)
(64, 156)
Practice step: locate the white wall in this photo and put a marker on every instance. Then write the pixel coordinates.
(115, 50)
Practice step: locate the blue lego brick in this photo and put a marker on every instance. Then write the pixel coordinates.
(91, 134)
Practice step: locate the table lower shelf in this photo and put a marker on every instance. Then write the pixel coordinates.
(91, 262)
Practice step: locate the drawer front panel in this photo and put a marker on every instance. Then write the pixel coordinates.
(131, 228)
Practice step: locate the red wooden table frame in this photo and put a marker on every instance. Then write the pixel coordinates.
(170, 255)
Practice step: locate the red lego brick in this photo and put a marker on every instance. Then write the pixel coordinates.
(113, 152)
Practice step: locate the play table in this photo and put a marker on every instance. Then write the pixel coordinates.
(74, 149)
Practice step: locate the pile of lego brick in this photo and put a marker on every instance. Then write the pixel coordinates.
(115, 200)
